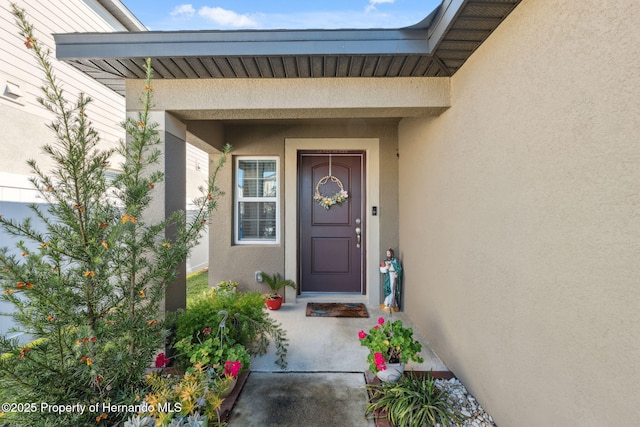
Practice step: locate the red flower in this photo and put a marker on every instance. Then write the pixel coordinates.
(232, 368)
(380, 320)
(362, 335)
(380, 362)
(161, 360)
(206, 331)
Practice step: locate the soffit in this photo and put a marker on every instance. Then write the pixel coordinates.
(435, 47)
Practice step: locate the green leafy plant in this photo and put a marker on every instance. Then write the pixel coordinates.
(413, 401)
(276, 283)
(248, 322)
(227, 286)
(390, 342)
(173, 399)
(90, 282)
(212, 349)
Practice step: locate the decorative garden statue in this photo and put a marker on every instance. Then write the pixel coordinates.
(392, 271)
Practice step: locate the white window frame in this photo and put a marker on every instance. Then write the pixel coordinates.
(237, 199)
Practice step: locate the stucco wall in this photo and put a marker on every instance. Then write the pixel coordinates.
(520, 217)
(239, 262)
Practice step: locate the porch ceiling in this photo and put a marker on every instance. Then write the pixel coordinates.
(435, 47)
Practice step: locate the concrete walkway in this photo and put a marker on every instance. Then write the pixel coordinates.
(324, 383)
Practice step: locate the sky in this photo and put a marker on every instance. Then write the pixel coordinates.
(169, 15)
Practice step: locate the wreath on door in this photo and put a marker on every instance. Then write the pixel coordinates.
(328, 201)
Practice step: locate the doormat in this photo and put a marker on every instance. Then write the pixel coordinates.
(336, 309)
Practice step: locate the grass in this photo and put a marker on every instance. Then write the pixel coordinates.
(197, 283)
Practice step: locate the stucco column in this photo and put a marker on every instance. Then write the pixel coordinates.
(171, 194)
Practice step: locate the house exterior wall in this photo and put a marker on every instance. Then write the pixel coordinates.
(256, 116)
(24, 129)
(24, 120)
(197, 170)
(304, 98)
(240, 262)
(520, 217)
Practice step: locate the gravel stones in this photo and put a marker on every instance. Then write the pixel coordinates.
(468, 405)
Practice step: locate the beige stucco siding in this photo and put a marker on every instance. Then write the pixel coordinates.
(520, 217)
(239, 262)
(305, 98)
(257, 116)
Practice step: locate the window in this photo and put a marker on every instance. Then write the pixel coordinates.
(256, 200)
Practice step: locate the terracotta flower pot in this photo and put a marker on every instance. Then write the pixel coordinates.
(273, 303)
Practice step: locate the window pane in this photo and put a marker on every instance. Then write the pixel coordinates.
(247, 173)
(267, 184)
(257, 221)
(257, 178)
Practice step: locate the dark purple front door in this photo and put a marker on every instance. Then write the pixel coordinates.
(331, 240)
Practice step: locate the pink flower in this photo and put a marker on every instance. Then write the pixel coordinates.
(206, 331)
(380, 320)
(379, 361)
(232, 368)
(161, 360)
(362, 335)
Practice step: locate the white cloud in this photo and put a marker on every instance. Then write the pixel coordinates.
(227, 18)
(185, 10)
(186, 17)
(372, 4)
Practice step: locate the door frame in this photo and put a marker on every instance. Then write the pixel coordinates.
(371, 147)
(338, 156)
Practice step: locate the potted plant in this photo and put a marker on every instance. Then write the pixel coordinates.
(276, 283)
(227, 286)
(212, 351)
(414, 401)
(248, 322)
(391, 345)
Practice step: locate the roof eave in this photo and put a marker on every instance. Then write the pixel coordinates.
(435, 47)
(158, 44)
